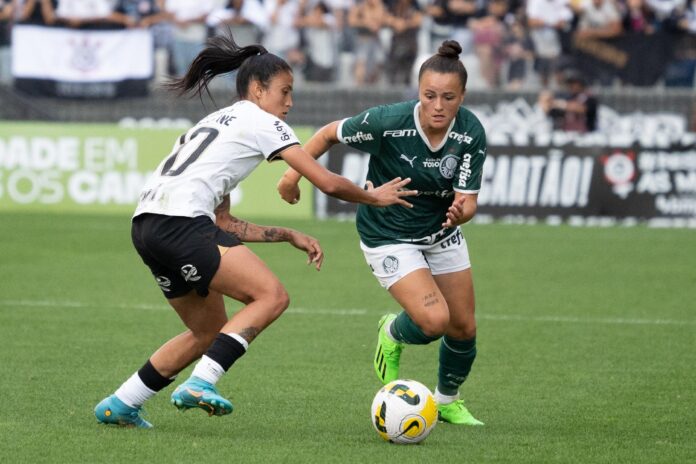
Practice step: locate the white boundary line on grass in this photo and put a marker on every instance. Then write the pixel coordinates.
(362, 312)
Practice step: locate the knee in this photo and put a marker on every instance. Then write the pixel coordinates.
(463, 331)
(434, 324)
(278, 300)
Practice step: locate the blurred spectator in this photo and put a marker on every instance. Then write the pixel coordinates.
(190, 30)
(638, 18)
(5, 51)
(318, 26)
(519, 51)
(489, 33)
(340, 9)
(366, 20)
(141, 13)
(35, 11)
(244, 18)
(598, 19)
(680, 72)
(282, 37)
(546, 20)
(451, 21)
(93, 14)
(151, 14)
(574, 109)
(665, 9)
(405, 20)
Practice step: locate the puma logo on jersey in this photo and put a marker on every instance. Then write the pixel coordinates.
(364, 121)
(190, 273)
(409, 161)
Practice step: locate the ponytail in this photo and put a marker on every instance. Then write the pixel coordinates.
(222, 55)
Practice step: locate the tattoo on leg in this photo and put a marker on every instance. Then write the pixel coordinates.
(249, 333)
(430, 299)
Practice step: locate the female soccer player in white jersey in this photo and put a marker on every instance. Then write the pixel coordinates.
(419, 255)
(184, 232)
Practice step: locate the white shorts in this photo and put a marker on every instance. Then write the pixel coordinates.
(390, 263)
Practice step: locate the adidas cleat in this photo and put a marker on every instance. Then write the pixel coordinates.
(197, 393)
(112, 410)
(388, 352)
(456, 413)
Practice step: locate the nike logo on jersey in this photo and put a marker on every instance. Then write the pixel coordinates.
(409, 161)
(364, 121)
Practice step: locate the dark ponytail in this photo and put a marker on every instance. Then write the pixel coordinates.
(222, 55)
(446, 60)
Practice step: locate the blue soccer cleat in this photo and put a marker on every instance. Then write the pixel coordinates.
(111, 410)
(197, 393)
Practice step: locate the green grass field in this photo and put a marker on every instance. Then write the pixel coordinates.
(587, 349)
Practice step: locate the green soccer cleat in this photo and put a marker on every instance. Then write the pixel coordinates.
(388, 352)
(456, 413)
(197, 393)
(113, 411)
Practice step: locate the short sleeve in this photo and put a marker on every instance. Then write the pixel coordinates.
(363, 132)
(273, 136)
(470, 172)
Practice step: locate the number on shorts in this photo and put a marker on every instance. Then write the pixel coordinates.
(210, 135)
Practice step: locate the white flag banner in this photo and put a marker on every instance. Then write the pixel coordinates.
(81, 56)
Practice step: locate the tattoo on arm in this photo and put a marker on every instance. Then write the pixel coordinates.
(249, 333)
(248, 232)
(237, 227)
(430, 299)
(274, 234)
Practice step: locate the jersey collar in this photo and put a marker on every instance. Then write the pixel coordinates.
(416, 110)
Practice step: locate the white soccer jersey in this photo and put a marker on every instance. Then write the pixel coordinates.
(209, 160)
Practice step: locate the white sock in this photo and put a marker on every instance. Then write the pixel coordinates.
(134, 392)
(445, 399)
(208, 370)
(387, 330)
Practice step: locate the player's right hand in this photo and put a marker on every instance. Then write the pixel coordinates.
(391, 193)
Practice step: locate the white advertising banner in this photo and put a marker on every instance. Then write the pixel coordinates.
(81, 56)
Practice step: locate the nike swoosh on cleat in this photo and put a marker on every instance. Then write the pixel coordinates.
(193, 393)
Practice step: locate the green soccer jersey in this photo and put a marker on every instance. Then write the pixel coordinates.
(392, 135)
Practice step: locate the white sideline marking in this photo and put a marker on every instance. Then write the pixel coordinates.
(361, 312)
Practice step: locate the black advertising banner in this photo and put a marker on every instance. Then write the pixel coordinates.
(590, 182)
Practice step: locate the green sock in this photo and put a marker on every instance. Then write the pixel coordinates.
(404, 330)
(456, 358)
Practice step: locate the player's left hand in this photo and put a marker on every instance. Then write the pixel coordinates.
(310, 245)
(455, 213)
(288, 190)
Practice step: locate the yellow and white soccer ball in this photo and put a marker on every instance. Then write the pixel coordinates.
(404, 411)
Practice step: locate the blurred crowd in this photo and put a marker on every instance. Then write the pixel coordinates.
(510, 44)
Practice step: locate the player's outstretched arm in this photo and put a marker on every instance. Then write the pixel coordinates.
(316, 146)
(387, 194)
(250, 232)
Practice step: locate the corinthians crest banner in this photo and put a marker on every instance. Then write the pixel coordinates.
(81, 63)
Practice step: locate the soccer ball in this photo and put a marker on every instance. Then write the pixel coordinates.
(404, 411)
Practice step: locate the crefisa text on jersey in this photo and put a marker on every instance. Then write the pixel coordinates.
(460, 138)
(359, 137)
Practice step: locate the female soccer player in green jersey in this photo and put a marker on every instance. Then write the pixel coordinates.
(419, 254)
